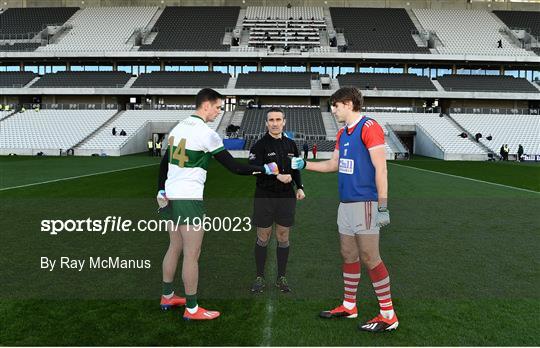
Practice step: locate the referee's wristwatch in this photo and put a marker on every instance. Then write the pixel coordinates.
(382, 209)
(301, 187)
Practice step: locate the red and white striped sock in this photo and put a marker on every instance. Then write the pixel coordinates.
(351, 278)
(381, 284)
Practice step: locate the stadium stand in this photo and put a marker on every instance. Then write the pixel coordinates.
(4, 114)
(133, 122)
(187, 28)
(528, 20)
(536, 50)
(387, 81)
(275, 80)
(103, 29)
(467, 32)
(307, 121)
(49, 130)
(322, 145)
(297, 27)
(16, 79)
(369, 29)
(479, 83)
(274, 12)
(504, 129)
(182, 79)
(441, 129)
(25, 21)
(69, 79)
(20, 46)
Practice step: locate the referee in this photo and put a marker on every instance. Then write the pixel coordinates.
(275, 197)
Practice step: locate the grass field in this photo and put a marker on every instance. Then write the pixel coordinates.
(462, 256)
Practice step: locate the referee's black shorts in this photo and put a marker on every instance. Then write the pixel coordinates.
(268, 209)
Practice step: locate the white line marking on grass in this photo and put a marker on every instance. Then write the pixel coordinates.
(76, 177)
(466, 178)
(267, 332)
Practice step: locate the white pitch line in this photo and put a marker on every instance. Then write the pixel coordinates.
(267, 333)
(465, 178)
(76, 177)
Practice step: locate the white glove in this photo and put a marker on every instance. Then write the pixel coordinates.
(383, 217)
(298, 163)
(161, 198)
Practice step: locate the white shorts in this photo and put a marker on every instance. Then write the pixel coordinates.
(357, 218)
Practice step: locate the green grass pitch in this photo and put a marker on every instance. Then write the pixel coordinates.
(462, 256)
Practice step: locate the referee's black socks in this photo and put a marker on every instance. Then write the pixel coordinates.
(260, 256)
(282, 255)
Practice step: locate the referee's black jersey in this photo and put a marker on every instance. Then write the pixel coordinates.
(268, 149)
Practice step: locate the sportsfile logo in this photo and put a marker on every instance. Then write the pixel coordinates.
(119, 224)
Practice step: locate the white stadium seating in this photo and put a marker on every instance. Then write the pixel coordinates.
(103, 29)
(133, 121)
(260, 12)
(441, 129)
(468, 32)
(505, 129)
(50, 129)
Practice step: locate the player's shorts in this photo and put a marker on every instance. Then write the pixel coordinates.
(184, 211)
(357, 218)
(267, 210)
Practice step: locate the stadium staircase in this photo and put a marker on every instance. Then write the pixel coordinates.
(237, 118)
(154, 19)
(130, 82)
(8, 115)
(231, 83)
(32, 82)
(328, 19)
(330, 125)
(225, 122)
(148, 34)
(97, 130)
(470, 135)
(420, 39)
(437, 85)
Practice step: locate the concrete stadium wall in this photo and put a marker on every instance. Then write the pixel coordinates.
(178, 99)
(138, 144)
(424, 145)
(493, 103)
(78, 99)
(433, 4)
(393, 102)
(270, 100)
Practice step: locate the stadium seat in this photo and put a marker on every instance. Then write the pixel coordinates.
(186, 28)
(50, 129)
(376, 29)
(182, 79)
(467, 32)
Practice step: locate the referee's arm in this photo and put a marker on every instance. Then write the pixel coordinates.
(226, 159)
(297, 178)
(163, 170)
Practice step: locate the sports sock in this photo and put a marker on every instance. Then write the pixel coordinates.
(351, 278)
(282, 255)
(191, 303)
(381, 285)
(260, 256)
(168, 289)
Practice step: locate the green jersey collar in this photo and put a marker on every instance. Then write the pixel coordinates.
(199, 117)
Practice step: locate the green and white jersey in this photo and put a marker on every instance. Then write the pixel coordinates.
(191, 144)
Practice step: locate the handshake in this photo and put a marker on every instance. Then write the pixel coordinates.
(163, 201)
